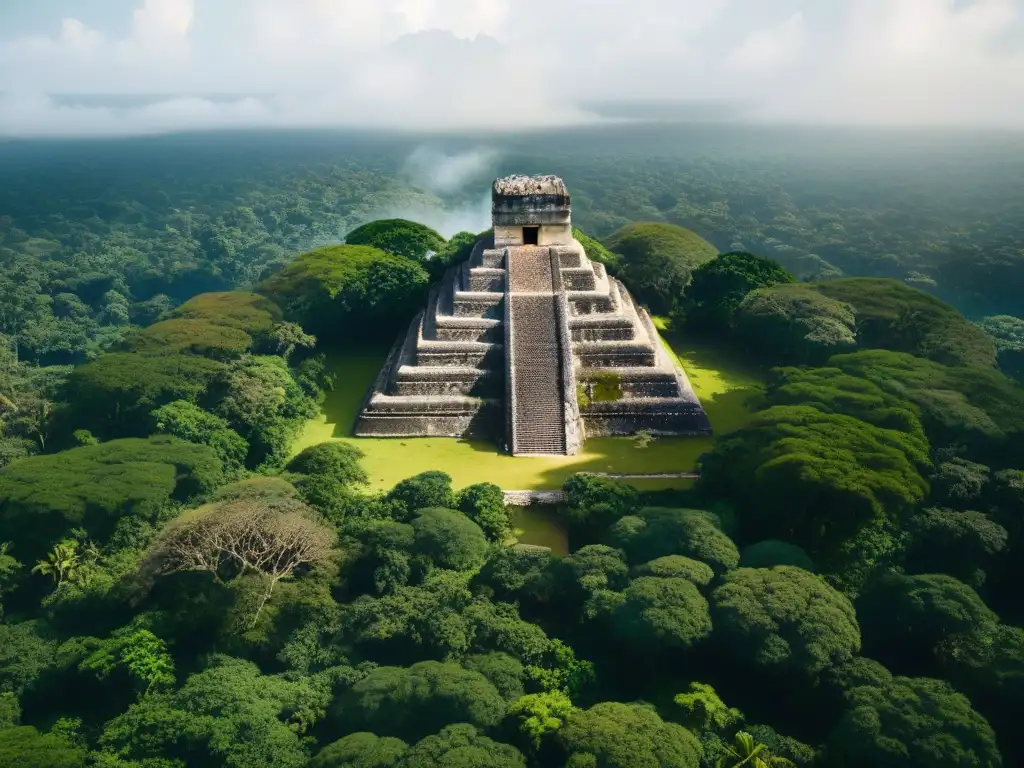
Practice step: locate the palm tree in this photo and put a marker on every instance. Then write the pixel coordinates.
(61, 563)
(746, 752)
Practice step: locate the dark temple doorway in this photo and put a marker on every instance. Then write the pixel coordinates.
(531, 235)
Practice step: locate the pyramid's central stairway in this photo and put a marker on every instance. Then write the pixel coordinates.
(535, 409)
(530, 343)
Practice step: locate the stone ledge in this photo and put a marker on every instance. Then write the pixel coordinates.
(528, 498)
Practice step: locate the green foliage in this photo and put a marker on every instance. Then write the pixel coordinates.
(249, 312)
(484, 504)
(347, 289)
(43, 498)
(504, 672)
(250, 544)
(557, 668)
(973, 407)
(703, 710)
(745, 750)
(594, 502)
(61, 563)
(816, 479)
(10, 710)
(25, 747)
(626, 736)
(656, 532)
(594, 568)
(84, 437)
(10, 572)
(455, 251)
(411, 703)
(337, 461)
(427, 489)
(597, 252)
(360, 750)
(259, 486)
(783, 619)
(113, 395)
(325, 475)
(461, 746)
(924, 622)
(517, 573)
(793, 323)
(191, 336)
(678, 567)
(1007, 333)
(830, 390)
(228, 715)
(541, 714)
(892, 315)
(662, 614)
(400, 237)
(190, 422)
(449, 539)
(658, 261)
(138, 652)
(782, 748)
(411, 622)
(25, 652)
(963, 544)
(720, 285)
(261, 400)
(772, 552)
(959, 483)
(911, 721)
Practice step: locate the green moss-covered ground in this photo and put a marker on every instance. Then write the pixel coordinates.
(723, 384)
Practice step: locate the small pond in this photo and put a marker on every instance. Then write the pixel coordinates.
(539, 525)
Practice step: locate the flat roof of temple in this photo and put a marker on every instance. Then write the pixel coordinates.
(521, 186)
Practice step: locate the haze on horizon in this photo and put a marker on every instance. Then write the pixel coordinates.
(501, 64)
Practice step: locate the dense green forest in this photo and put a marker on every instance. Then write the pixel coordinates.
(839, 588)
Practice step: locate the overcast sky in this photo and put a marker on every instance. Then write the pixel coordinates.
(503, 63)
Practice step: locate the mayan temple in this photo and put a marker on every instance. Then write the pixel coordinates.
(531, 344)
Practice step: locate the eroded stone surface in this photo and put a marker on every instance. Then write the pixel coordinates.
(519, 186)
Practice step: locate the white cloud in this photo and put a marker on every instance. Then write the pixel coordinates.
(917, 61)
(768, 49)
(437, 171)
(161, 21)
(437, 64)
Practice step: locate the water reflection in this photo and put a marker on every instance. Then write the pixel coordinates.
(539, 525)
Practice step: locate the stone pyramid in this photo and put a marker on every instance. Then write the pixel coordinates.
(530, 343)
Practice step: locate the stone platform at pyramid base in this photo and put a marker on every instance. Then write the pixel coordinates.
(478, 421)
(625, 418)
(486, 420)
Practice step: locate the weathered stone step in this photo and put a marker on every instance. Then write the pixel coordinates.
(459, 353)
(492, 257)
(614, 354)
(486, 279)
(477, 304)
(439, 381)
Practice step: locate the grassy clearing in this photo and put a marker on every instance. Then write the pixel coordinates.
(723, 384)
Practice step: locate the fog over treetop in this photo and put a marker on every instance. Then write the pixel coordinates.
(486, 64)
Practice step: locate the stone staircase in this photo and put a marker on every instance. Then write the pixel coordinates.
(444, 378)
(539, 422)
(536, 408)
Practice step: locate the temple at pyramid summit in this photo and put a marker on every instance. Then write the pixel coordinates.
(531, 344)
